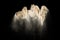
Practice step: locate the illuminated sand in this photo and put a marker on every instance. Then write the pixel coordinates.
(30, 20)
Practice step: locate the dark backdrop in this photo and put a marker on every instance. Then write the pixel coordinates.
(8, 9)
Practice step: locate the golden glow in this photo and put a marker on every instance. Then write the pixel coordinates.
(35, 13)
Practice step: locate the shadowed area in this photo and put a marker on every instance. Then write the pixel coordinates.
(13, 6)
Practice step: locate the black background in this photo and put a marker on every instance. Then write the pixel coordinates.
(8, 9)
